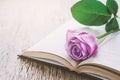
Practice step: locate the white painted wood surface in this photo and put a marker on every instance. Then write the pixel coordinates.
(22, 24)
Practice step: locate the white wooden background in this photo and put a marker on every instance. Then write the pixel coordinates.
(22, 24)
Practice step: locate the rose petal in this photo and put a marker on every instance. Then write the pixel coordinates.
(90, 41)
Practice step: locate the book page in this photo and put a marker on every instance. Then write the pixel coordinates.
(109, 52)
(54, 43)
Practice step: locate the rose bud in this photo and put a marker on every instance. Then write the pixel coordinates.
(80, 45)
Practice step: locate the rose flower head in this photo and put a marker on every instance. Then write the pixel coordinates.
(80, 45)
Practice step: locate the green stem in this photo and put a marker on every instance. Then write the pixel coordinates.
(105, 34)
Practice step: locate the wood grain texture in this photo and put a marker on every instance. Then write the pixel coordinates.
(22, 24)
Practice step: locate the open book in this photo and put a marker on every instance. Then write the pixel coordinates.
(51, 49)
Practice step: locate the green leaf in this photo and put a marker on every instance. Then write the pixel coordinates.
(112, 25)
(112, 6)
(90, 12)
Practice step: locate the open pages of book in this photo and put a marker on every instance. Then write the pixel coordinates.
(106, 62)
(109, 52)
(54, 43)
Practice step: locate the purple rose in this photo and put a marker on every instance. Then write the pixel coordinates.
(80, 45)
